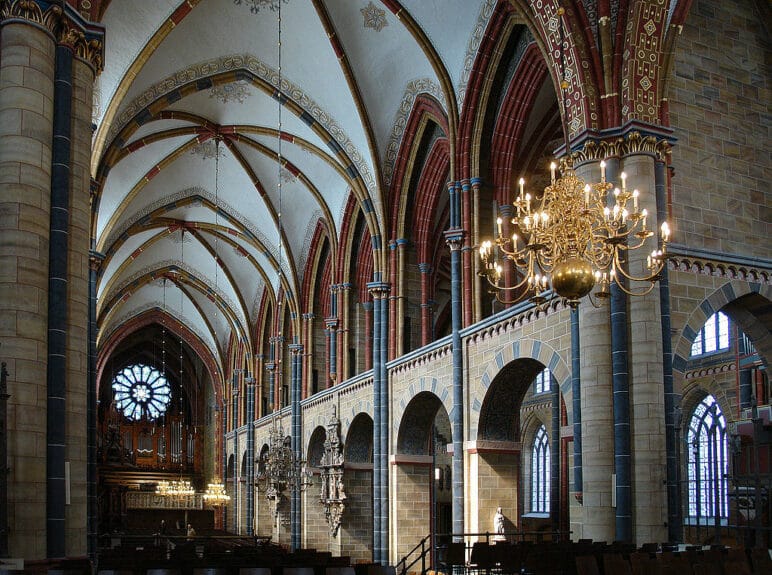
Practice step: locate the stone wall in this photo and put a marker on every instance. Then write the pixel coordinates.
(719, 98)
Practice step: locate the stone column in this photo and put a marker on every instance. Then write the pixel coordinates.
(597, 415)
(81, 514)
(427, 320)
(649, 503)
(250, 478)
(26, 132)
(454, 237)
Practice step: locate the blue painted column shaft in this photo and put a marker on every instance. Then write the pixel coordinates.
(671, 399)
(95, 260)
(555, 457)
(56, 374)
(376, 427)
(295, 350)
(236, 462)
(384, 433)
(621, 389)
(250, 454)
(225, 477)
(454, 237)
(576, 391)
(271, 367)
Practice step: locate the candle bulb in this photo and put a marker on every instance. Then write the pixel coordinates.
(522, 185)
(644, 213)
(552, 171)
(635, 200)
(665, 232)
(498, 225)
(586, 195)
(603, 171)
(623, 176)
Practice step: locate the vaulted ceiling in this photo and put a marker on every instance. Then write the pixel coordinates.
(192, 213)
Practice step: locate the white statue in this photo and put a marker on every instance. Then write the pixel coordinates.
(498, 525)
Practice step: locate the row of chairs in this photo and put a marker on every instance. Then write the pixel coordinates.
(598, 558)
(696, 562)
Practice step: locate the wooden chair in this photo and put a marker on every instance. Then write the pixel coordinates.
(736, 562)
(761, 561)
(255, 571)
(615, 564)
(644, 563)
(481, 557)
(586, 565)
(454, 556)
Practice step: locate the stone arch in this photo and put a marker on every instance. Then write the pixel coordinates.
(315, 449)
(695, 395)
(243, 468)
(358, 442)
(414, 433)
(230, 468)
(423, 385)
(741, 302)
(540, 355)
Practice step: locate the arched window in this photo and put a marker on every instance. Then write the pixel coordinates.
(543, 381)
(707, 466)
(540, 472)
(714, 335)
(141, 392)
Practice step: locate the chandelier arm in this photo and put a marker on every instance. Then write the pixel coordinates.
(652, 283)
(650, 278)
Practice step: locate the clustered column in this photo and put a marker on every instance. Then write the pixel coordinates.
(44, 196)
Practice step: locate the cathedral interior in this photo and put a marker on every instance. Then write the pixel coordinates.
(367, 276)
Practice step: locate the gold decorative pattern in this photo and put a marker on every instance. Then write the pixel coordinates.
(64, 30)
(631, 144)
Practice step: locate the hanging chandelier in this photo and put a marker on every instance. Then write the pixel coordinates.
(215, 495)
(574, 237)
(175, 488)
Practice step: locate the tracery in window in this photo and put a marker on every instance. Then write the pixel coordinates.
(540, 472)
(543, 381)
(714, 335)
(141, 392)
(707, 464)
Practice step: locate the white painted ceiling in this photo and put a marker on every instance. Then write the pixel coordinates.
(357, 96)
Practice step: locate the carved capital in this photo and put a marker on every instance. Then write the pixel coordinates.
(634, 142)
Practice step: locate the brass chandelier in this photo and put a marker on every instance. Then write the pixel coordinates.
(175, 488)
(215, 495)
(574, 237)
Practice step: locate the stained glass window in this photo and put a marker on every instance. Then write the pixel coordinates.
(707, 465)
(714, 335)
(540, 472)
(141, 392)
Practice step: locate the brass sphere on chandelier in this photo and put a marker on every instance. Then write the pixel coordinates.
(573, 279)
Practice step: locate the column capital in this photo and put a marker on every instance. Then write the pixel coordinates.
(631, 139)
(455, 238)
(378, 289)
(425, 268)
(295, 348)
(95, 260)
(64, 23)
